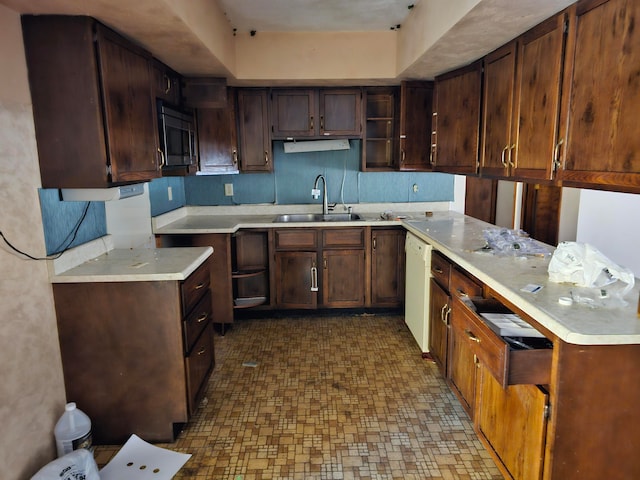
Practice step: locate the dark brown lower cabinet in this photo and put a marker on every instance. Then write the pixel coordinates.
(440, 312)
(387, 267)
(512, 422)
(136, 356)
(296, 279)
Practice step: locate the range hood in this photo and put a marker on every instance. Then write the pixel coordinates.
(316, 146)
(101, 194)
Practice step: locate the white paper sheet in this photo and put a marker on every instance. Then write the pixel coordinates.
(139, 460)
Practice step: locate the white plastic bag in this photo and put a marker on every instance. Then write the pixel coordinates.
(75, 465)
(585, 266)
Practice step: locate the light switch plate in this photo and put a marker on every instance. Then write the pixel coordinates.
(228, 189)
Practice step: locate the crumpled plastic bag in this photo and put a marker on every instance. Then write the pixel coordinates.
(515, 243)
(585, 266)
(75, 465)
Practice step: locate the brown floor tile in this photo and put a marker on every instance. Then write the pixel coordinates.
(344, 397)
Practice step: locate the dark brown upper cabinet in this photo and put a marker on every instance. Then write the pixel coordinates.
(416, 104)
(253, 128)
(324, 112)
(601, 97)
(456, 120)
(166, 83)
(93, 104)
(204, 92)
(537, 106)
(218, 137)
(380, 142)
(499, 88)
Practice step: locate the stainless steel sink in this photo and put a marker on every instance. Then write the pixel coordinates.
(317, 217)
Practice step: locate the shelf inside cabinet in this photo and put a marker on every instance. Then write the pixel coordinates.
(248, 302)
(247, 273)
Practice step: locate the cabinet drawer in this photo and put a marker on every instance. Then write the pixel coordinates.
(507, 365)
(440, 269)
(462, 284)
(296, 238)
(194, 287)
(198, 364)
(196, 321)
(343, 237)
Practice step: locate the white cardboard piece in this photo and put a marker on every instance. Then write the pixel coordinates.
(139, 460)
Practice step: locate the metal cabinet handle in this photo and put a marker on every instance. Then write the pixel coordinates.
(168, 80)
(443, 314)
(438, 270)
(374, 243)
(162, 161)
(510, 155)
(314, 279)
(461, 293)
(202, 351)
(321, 122)
(556, 154)
(234, 156)
(266, 158)
(202, 318)
(471, 336)
(504, 152)
(199, 286)
(311, 123)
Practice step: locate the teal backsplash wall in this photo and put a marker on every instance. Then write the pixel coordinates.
(290, 183)
(293, 178)
(60, 219)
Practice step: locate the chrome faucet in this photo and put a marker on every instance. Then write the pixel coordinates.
(315, 193)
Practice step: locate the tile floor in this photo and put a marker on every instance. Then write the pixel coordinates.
(338, 397)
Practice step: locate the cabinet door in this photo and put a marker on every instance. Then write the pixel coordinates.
(343, 279)
(416, 102)
(512, 421)
(129, 108)
(540, 57)
(440, 310)
(296, 277)
(253, 124)
(166, 83)
(457, 120)
(387, 267)
(499, 77)
(603, 94)
(293, 113)
(217, 138)
(461, 365)
(340, 112)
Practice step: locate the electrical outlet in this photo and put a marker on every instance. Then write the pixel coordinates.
(228, 189)
(170, 193)
(415, 188)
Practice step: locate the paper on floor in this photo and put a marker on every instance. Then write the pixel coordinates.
(139, 460)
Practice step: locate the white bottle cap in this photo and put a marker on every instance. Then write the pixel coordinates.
(565, 301)
(70, 406)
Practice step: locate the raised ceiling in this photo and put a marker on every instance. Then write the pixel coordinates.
(197, 37)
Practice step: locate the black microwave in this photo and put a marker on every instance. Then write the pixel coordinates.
(177, 136)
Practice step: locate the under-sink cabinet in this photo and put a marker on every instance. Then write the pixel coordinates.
(136, 355)
(320, 267)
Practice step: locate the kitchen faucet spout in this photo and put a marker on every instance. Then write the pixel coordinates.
(316, 193)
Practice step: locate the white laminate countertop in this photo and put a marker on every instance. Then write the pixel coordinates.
(460, 237)
(137, 265)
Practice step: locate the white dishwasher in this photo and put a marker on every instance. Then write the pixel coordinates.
(417, 286)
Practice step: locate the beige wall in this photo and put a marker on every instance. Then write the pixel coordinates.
(32, 390)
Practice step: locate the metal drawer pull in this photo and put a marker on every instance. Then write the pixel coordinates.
(461, 292)
(199, 286)
(202, 352)
(471, 336)
(438, 270)
(202, 317)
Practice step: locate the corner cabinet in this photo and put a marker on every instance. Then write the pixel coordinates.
(387, 267)
(324, 112)
(416, 105)
(455, 131)
(93, 104)
(136, 355)
(380, 141)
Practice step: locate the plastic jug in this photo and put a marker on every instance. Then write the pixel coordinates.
(73, 430)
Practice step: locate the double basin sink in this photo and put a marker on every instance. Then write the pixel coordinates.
(317, 217)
